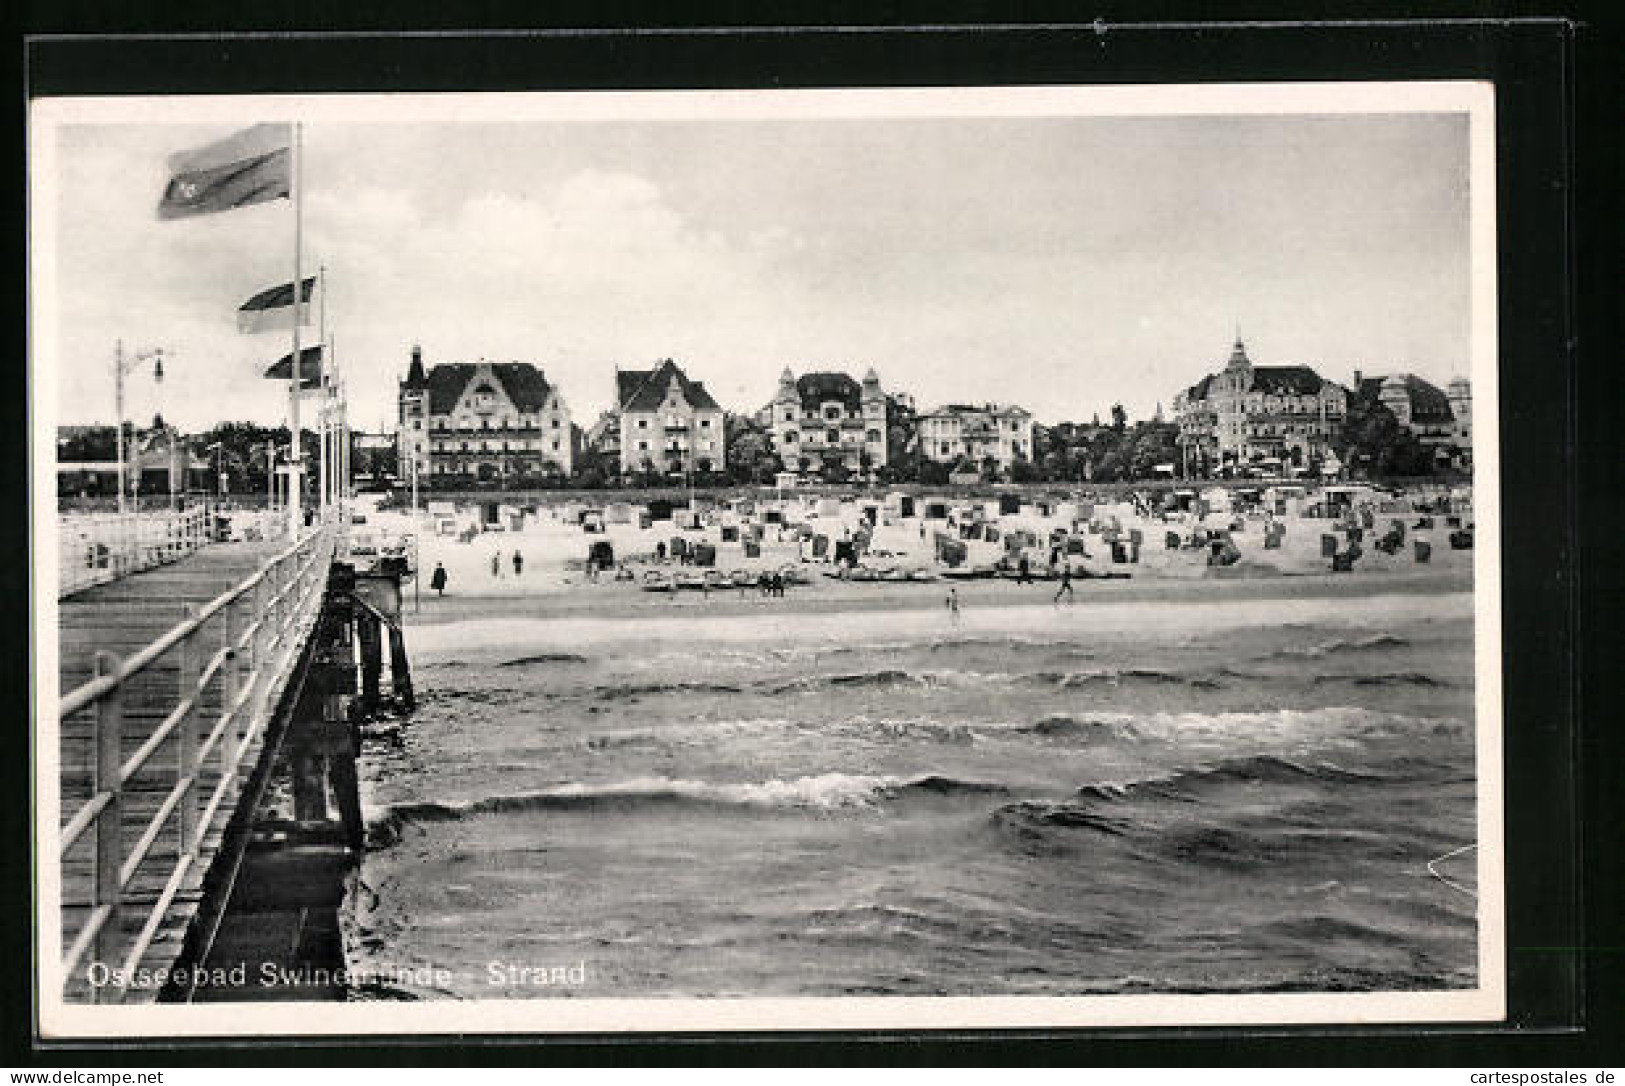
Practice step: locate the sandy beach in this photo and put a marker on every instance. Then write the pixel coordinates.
(505, 598)
(553, 581)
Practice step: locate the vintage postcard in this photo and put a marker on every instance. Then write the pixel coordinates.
(911, 559)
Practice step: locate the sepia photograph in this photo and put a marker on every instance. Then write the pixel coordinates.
(949, 558)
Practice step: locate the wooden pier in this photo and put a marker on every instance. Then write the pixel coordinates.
(208, 736)
(170, 679)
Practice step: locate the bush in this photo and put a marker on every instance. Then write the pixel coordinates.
(1023, 471)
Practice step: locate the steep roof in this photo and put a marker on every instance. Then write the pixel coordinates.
(818, 388)
(645, 390)
(1428, 402)
(1286, 380)
(524, 384)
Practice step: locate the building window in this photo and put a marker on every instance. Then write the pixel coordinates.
(643, 424)
(705, 424)
(643, 446)
(833, 437)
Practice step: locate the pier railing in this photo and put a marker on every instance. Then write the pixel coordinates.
(96, 549)
(211, 682)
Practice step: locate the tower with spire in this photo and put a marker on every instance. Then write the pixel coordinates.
(412, 432)
(874, 399)
(1239, 369)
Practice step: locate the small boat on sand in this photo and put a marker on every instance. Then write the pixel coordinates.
(970, 573)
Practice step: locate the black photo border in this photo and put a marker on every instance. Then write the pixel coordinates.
(1559, 959)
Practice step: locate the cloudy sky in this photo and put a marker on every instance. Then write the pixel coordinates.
(1061, 263)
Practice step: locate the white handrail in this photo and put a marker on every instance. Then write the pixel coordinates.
(263, 622)
(98, 549)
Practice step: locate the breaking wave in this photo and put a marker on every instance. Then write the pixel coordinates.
(1066, 680)
(1391, 678)
(619, 691)
(820, 793)
(1340, 645)
(545, 658)
(1193, 785)
(1058, 725)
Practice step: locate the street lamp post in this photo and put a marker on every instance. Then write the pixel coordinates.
(219, 448)
(121, 367)
(270, 476)
(414, 464)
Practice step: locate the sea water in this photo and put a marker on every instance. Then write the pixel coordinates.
(1159, 797)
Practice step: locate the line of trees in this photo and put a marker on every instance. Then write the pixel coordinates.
(1372, 443)
(241, 454)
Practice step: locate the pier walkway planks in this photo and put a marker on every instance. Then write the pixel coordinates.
(123, 617)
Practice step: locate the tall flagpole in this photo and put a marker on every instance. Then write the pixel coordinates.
(335, 429)
(324, 395)
(295, 513)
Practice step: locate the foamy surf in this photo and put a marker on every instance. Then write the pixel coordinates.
(1084, 621)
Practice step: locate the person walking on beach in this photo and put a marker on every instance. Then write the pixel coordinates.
(1066, 584)
(1024, 571)
(437, 580)
(496, 564)
(953, 604)
(518, 563)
